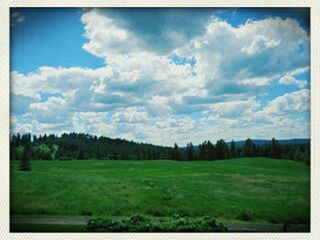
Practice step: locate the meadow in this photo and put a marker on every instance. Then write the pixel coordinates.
(259, 190)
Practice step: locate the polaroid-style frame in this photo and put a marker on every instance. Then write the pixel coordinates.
(5, 116)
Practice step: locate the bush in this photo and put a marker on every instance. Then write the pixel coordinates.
(139, 223)
(43, 152)
(105, 225)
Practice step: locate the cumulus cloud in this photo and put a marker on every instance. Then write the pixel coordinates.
(144, 94)
(289, 80)
(106, 38)
(47, 111)
(298, 101)
(253, 53)
(234, 109)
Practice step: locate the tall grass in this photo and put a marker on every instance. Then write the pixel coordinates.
(248, 189)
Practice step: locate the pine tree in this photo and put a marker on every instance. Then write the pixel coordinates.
(190, 151)
(249, 149)
(232, 149)
(221, 149)
(98, 153)
(175, 152)
(275, 149)
(210, 151)
(202, 151)
(25, 164)
(80, 154)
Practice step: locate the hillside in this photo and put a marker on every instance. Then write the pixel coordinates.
(260, 142)
(250, 189)
(85, 146)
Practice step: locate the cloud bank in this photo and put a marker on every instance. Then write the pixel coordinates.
(210, 86)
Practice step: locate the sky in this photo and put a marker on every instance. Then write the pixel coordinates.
(161, 75)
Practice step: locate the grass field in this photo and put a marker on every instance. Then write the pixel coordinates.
(252, 189)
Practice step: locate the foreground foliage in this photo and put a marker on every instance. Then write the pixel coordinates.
(139, 223)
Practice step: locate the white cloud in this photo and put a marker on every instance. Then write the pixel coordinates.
(299, 71)
(258, 44)
(289, 80)
(53, 102)
(105, 37)
(159, 105)
(228, 56)
(36, 127)
(91, 122)
(298, 101)
(235, 109)
(130, 115)
(143, 95)
(54, 110)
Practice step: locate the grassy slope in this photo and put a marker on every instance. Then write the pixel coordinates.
(264, 189)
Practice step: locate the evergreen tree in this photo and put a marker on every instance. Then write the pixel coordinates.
(190, 151)
(175, 152)
(98, 153)
(210, 151)
(13, 153)
(78, 145)
(221, 149)
(80, 154)
(232, 149)
(18, 139)
(60, 154)
(25, 164)
(275, 149)
(202, 151)
(249, 149)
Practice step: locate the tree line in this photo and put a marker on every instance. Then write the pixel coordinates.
(223, 150)
(81, 146)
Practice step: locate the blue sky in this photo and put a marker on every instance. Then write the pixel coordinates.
(161, 75)
(29, 51)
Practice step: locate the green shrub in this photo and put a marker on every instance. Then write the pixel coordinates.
(139, 223)
(105, 225)
(43, 152)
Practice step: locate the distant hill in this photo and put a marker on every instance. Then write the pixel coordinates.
(259, 142)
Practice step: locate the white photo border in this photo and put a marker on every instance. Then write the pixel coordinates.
(5, 115)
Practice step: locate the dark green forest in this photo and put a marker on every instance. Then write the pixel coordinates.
(81, 146)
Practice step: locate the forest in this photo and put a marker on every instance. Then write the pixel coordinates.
(82, 146)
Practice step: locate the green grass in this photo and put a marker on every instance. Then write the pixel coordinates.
(247, 189)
